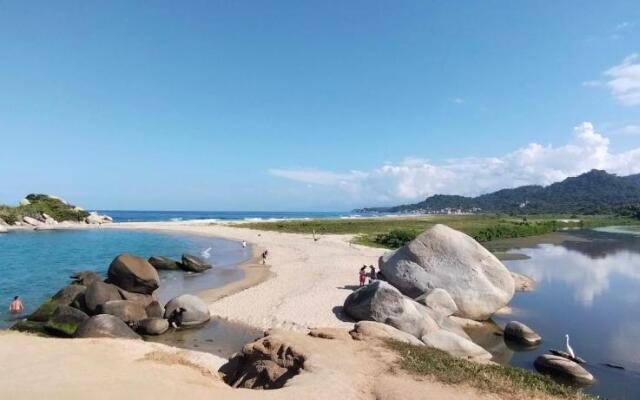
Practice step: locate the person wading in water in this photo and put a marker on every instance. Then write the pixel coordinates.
(16, 306)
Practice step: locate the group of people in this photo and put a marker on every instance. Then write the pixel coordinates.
(363, 274)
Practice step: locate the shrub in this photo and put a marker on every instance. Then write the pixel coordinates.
(396, 238)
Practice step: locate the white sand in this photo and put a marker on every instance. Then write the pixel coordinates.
(310, 279)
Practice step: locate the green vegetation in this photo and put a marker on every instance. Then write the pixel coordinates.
(507, 382)
(29, 326)
(45, 311)
(39, 204)
(392, 232)
(61, 328)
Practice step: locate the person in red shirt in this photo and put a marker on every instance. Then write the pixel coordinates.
(363, 275)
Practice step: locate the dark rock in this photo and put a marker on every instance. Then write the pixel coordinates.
(105, 325)
(163, 263)
(44, 312)
(155, 310)
(127, 310)
(69, 294)
(29, 327)
(562, 368)
(519, 332)
(99, 293)
(568, 356)
(144, 299)
(133, 274)
(187, 310)
(193, 263)
(381, 302)
(85, 278)
(153, 326)
(65, 321)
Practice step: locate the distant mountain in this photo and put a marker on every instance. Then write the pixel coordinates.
(592, 192)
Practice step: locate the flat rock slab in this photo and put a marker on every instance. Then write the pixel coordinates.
(562, 368)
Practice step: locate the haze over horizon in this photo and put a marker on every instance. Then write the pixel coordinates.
(216, 105)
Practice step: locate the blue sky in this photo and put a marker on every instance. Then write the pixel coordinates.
(328, 105)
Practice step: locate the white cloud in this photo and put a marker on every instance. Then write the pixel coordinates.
(623, 80)
(457, 100)
(415, 178)
(630, 130)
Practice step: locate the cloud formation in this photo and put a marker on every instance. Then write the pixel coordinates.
(623, 81)
(415, 178)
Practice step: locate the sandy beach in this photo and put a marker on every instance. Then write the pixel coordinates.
(303, 286)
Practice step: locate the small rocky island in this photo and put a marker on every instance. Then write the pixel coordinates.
(42, 211)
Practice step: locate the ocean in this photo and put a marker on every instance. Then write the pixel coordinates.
(141, 216)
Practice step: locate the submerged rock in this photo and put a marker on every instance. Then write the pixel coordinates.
(186, 311)
(519, 332)
(381, 302)
(105, 325)
(193, 263)
(456, 346)
(65, 321)
(562, 368)
(163, 263)
(133, 274)
(442, 257)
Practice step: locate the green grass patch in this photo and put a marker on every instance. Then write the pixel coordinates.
(44, 312)
(392, 232)
(506, 381)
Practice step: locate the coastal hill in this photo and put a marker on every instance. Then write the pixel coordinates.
(38, 210)
(593, 192)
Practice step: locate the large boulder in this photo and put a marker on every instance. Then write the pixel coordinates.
(69, 294)
(65, 321)
(144, 299)
(84, 278)
(521, 333)
(375, 330)
(44, 311)
(32, 221)
(381, 302)
(127, 310)
(133, 274)
(439, 300)
(153, 326)
(105, 325)
(562, 368)
(95, 218)
(193, 263)
(163, 263)
(155, 310)
(99, 293)
(456, 346)
(442, 257)
(187, 310)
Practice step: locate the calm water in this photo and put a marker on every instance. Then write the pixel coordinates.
(34, 265)
(588, 287)
(137, 216)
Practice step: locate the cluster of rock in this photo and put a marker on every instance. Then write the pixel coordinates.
(124, 305)
(433, 284)
(188, 263)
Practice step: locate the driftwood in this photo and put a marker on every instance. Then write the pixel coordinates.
(566, 355)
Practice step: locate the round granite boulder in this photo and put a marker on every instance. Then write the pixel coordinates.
(521, 333)
(127, 310)
(105, 325)
(155, 310)
(133, 274)
(65, 321)
(187, 310)
(99, 293)
(69, 294)
(381, 302)
(85, 278)
(163, 263)
(563, 369)
(153, 326)
(193, 263)
(444, 258)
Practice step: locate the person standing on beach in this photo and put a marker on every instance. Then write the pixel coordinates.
(372, 273)
(264, 257)
(16, 306)
(363, 275)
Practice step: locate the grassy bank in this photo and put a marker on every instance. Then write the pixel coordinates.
(507, 382)
(391, 232)
(38, 204)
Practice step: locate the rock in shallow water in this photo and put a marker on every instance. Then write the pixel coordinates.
(519, 332)
(153, 326)
(381, 302)
(99, 293)
(155, 310)
(126, 310)
(187, 310)
(105, 325)
(163, 263)
(442, 257)
(193, 263)
(562, 368)
(133, 274)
